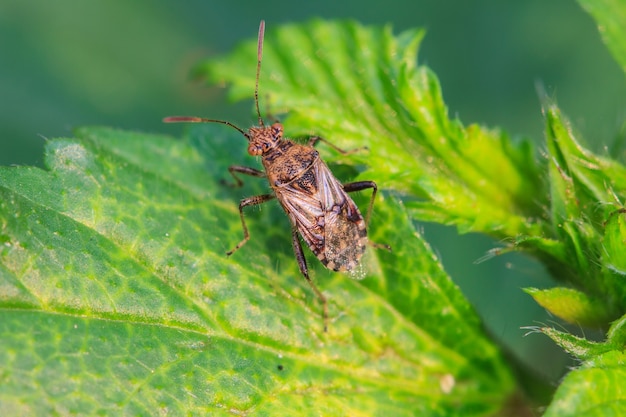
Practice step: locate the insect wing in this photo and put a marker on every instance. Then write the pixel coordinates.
(306, 214)
(345, 230)
(326, 218)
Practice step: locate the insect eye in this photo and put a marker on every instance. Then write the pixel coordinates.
(254, 150)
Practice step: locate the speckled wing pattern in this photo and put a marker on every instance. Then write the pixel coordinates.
(325, 216)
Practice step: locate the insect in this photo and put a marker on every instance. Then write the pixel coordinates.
(317, 204)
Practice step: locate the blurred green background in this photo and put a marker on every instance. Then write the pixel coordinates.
(126, 64)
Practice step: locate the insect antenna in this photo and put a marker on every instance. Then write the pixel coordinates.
(259, 55)
(193, 119)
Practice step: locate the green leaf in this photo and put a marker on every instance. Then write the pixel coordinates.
(595, 389)
(360, 86)
(572, 305)
(116, 297)
(576, 346)
(610, 15)
(586, 191)
(584, 349)
(613, 254)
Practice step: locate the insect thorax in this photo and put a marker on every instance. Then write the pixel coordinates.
(288, 161)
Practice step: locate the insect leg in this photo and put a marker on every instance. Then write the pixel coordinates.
(314, 139)
(363, 185)
(304, 269)
(242, 170)
(250, 201)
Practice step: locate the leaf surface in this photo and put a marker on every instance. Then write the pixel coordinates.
(114, 280)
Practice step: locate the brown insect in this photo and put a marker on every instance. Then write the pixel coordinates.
(318, 206)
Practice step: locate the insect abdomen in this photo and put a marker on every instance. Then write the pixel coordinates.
(345, 238)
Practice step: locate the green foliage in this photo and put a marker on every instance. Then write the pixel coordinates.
(114, 279)
(585, 249)
(364, 88)
(565, 210)
(474, 177)
(572, 305)
(596, 388)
